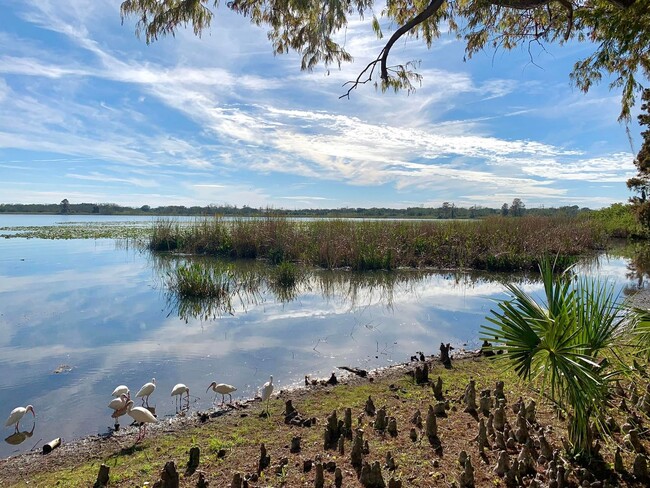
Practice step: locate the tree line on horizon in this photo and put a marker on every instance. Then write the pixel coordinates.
(447, 210)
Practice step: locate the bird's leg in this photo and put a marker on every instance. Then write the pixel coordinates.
(230, 395)
(223, 399)
(17, 426)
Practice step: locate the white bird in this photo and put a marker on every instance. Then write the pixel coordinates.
(223, 389)
(146, 390)
(121, 390)
(118, 403)
(142, 415)
(267, 389)
(17, 414)
(179, 389)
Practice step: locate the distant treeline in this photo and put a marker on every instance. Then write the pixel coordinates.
(446, 211)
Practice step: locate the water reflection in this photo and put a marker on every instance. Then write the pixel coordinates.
(20, 437)
(107, 313)
(638, 269)
(252, 283)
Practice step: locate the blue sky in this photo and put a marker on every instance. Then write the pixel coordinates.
(90, 113)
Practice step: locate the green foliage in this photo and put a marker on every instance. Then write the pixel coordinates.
(564, 342)
(641, 331)
(641, 183)
(617, 30)
(617, 220)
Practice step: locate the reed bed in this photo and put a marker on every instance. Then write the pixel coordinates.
(495, 244)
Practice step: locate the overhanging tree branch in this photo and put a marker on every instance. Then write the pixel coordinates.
(433, 7)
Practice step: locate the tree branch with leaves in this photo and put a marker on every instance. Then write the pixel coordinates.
(618, 31)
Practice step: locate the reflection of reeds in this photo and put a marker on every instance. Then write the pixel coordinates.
(246, 283)
(491, 244)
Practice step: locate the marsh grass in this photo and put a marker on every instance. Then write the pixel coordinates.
(202, 280)
(495, 244)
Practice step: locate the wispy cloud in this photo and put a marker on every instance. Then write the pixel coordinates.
(172, 117)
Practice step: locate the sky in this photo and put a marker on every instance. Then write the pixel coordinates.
(91, 113)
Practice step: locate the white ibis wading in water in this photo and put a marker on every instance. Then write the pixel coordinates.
(142, 415)
(17, 414)
(223, 389)
(179, 390)
(146, 390)
(267, 390)
(121, 390)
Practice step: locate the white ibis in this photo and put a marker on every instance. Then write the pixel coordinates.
(17, 414)
(267, 389)
(223, 389)
(142, 415)
(146, 390)
(121, 390)
(178, 391)
(118, 403)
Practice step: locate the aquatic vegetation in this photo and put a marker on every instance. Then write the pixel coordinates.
(200, 280)
(136, 231)
(490, 244)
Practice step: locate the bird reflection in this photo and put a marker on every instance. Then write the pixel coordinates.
(20, 437)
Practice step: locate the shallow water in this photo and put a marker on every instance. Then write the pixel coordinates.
(103, 310)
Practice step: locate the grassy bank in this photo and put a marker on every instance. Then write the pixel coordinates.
(231, 443)
(489, 244)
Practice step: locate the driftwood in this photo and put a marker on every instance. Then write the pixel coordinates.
(102, 476)
(359, 372)
(50, 446)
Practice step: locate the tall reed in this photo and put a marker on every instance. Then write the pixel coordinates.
(491, 244)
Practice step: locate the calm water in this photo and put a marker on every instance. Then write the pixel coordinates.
(103, 310)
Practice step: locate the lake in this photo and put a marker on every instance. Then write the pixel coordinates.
(100, 313)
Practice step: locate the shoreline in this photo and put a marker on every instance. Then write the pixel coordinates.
(229, 440)
(200, 417)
